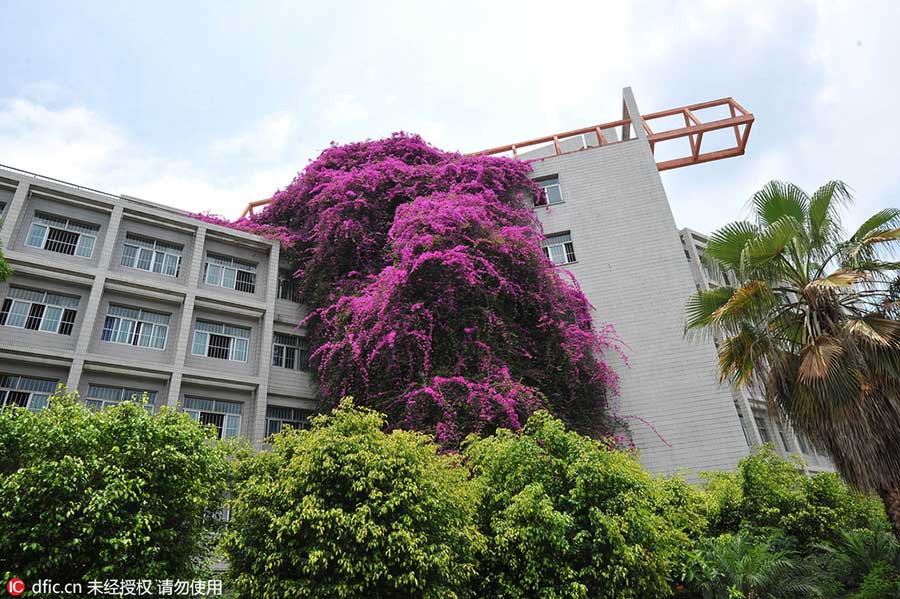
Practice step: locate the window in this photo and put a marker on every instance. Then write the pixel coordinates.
(133, 326)
(290, 351)
(222, 341)
(151, 255)
(559, 248)
(99, 397)
(39, 311)
(62, 236)
(277, 417)
(783, 438)
(550, 192)
(763, 430)
(288, 286)
(224, 415)
(230, 273)
(6, 196)
(25, 392)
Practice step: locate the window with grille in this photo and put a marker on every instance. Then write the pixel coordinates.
(230, 273)
(100, 396)
(25, 392)
(134, 326)
(152, 255)
(222, 341)
(62, 236)
(224, 415)
(290, 351)
(550, 193)
(288, 286)
(39, 311)
(278, 417)
(559, 248)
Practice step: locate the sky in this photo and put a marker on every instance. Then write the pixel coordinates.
(209, 105)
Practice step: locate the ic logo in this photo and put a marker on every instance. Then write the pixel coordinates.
(15, 586)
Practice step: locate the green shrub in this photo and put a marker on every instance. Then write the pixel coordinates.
(738, 566)
(769, 495)
(345, 510)
(882, 582)
(567, 517)
(118, 493)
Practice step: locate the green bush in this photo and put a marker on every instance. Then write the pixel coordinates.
(737, 566)
(882, 582)
(567, 517)
(769, 495)
(118, 493)
(345, 510)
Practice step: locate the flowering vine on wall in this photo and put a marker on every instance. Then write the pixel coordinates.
(430, 298)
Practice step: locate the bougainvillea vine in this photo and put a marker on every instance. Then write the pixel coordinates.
(430, 298)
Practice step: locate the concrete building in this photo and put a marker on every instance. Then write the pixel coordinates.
(113, 295)
(607, 220)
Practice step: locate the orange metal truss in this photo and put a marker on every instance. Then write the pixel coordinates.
(252, 206)
(739, 120)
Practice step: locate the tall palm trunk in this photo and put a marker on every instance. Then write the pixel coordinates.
(891, 500)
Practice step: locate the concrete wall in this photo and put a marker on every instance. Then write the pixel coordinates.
(631, 265)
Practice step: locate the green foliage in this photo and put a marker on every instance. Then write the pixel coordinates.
(815, 315)
(778, 533)
(345, 510)
(5, 270)
(117, 493)
(882, 582)
(859, 559)
(768, 494)
(737, 566)
(567, 517)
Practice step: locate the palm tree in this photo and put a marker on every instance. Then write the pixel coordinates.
(814, 314)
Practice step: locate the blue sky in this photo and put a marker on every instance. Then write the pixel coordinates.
(209, 105)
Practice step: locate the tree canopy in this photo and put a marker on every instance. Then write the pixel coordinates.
(117, 493)
(431, 300)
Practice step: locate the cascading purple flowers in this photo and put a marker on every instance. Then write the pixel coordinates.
(430, 297)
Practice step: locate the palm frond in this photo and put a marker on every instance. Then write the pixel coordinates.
(839, 279)
(780, 199)
(824, 217)
(740, 354)
(874, 329)
(889, 218)
(771, 242)
(726, 246)
(819, 359)
(703, 305)
(748, 302)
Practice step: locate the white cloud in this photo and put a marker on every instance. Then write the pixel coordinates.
(268, 138)
(78, 145)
